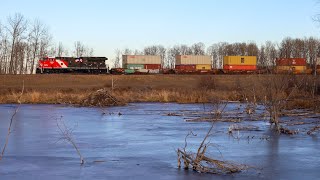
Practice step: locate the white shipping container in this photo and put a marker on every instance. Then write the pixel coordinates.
(141, 59)
(193, 59)
(154, 71)
(143, 70)
(150, 71)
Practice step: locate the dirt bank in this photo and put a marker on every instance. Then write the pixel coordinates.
(74, 89)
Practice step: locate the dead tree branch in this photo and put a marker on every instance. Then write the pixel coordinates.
(11, 122)
(199, 161)
(66, 134)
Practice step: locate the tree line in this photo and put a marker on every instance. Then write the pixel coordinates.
(308, 47)
(23, 42)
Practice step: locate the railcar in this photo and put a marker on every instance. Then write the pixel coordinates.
(73, 65)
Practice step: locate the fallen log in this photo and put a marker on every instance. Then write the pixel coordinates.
(313, 130)
(288, 131)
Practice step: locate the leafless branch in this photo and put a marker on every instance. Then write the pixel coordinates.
(67, 135)
(11, 122)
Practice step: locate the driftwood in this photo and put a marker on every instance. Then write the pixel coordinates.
(298, 123)
(207, 119)
(313, 130)
(173, 114)
(236, 127)
(288, 131)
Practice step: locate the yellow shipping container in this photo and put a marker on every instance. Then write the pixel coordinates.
(203, 66)
(240, 60)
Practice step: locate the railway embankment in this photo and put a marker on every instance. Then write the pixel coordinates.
(301, 91)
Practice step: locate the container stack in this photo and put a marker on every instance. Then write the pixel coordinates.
(141, 63)
(240, 63)
(294, 65)
(193, 63)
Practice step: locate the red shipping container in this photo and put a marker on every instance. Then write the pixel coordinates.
(152, 66)
(240, 67)
(291, 62)
(186, 67)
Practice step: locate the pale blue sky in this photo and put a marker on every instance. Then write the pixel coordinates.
(107, 25)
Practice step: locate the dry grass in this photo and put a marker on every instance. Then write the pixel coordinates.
(66, 88)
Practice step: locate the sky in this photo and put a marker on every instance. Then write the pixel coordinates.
(106, 25)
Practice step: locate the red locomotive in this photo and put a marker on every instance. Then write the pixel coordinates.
(72, 64)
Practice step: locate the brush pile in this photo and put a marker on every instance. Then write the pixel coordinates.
(101, 97)
(201, 163)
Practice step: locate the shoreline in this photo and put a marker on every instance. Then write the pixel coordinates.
(191, 89)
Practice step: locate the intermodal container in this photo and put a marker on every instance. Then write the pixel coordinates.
(291, 68)
(154, 71)
(240, 67)
(148, 71)
(291, 62)
(129, 71)
(193, 59)
(186, 67)
(203, 66)
(240, 60)
(143, 70)
(152, 66)
(141, 59)
(134, 66)
(318, 61)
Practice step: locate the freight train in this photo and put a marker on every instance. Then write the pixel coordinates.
(184, 64)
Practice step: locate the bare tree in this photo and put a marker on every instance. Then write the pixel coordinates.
(299, 48)
(218, 51)
(128, 51)
(252, 49)
(313, 50)
(60, 50)
(20, 56)
(89, 51)
(212, 51)
(171, 54)
(79, 49)
(16, 28)
(286, 48)
(271, 53)
(156, 50)
(198, 49)
(117, 59)
(38, 32)
(5, 53)
(185, 50)
(1, 49)
(262, 59)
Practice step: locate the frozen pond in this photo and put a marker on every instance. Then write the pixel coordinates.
(138, 141)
